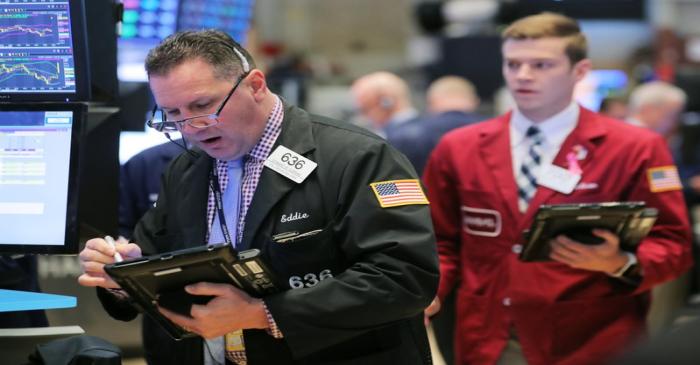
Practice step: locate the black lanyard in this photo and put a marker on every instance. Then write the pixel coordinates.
(218, 200)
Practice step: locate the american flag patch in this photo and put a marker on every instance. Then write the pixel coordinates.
(394, 193)
(664, 178)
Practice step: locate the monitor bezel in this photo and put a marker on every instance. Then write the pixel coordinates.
(71, 241)
(81, 64)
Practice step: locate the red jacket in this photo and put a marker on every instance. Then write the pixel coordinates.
(561, 315)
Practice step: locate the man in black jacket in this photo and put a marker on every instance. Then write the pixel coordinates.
(139, 183)
(358, 255)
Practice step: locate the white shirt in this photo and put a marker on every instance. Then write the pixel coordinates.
(554, 131)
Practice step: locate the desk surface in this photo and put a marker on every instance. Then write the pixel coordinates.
(12, 300)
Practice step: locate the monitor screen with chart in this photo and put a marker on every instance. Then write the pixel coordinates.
(38, 177)
(43, 51)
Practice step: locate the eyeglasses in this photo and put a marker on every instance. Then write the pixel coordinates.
(159, 119)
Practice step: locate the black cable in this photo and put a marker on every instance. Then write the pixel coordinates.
(183, 146)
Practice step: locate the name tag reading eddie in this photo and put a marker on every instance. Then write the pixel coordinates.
(558, 179)
(290, 164)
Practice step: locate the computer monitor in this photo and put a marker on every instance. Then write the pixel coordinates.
(599, 84)
(144, 24)
(38, 177)
(43, 50)
(231, 16)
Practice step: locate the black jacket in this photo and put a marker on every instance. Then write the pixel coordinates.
(382, 261)
(139, 183)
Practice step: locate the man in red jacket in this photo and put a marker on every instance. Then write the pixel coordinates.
(486, 182)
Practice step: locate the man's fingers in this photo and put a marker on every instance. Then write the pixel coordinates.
(101, 281)
(99, 245)
(204, 288)
(571, 245)
(433, 308)
(91, 254)
(185, 322)
(556, 256)
(95, 255)
(564, 249)
(93, 267)
(130, 250)
(607, 236)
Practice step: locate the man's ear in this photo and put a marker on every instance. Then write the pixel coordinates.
(258, 84)
(581, 68)
(386, 102)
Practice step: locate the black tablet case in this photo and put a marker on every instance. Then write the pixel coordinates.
(631, 221)
(160, 279)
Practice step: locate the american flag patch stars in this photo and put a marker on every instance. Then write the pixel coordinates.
(664, 178)
(394, 193)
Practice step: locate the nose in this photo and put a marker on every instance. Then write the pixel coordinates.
(524, 72)
(186, 128)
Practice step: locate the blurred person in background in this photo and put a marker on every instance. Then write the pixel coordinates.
(383, 100)
(614, 107)
(139, 183)
(487, 181)
(657, 105)
(451, 102)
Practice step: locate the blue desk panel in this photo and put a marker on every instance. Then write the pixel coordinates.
(13, 300)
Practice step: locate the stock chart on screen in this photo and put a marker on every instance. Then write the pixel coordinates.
(36, 47)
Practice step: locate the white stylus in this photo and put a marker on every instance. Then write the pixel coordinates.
(117, 256)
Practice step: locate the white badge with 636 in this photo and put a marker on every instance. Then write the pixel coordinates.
(558, 179)
(290, 164)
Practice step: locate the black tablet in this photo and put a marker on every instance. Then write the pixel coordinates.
(632, 221)
(159, 280)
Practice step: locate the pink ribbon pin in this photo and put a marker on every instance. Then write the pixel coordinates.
(574, 168)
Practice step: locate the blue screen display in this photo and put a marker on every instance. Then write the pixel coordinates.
(146, 22)
(231, 16)
(35, 149)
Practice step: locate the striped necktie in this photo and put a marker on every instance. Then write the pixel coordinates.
(527, 178)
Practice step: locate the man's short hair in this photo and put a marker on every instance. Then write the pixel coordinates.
(215, 47)
(607, 102)
(547, 25)
(656, 93)
(450, 93)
